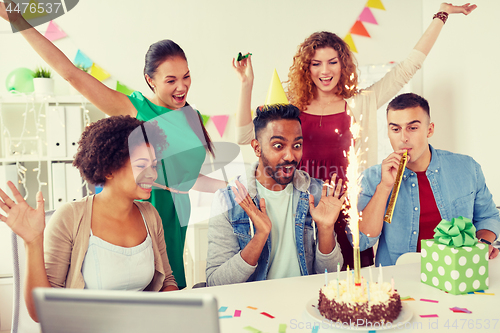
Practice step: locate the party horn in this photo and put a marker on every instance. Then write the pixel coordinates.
(395, 189)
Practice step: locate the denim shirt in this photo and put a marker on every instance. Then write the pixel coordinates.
(459, 189)
(229, 232)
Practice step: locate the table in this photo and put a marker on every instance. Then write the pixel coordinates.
(286, 299)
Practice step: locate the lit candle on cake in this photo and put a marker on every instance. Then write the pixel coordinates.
(353, 190)
(380, 275)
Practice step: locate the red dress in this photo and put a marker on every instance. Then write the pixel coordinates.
(323, 155)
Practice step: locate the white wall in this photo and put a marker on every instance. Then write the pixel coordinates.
(461, 83)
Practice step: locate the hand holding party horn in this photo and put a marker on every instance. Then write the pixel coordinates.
(395, 189)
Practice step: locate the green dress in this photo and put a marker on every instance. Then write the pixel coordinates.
(180, 167)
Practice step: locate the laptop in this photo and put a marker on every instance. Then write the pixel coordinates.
(76, 310)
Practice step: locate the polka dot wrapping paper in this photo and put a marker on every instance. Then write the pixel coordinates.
(456, 270)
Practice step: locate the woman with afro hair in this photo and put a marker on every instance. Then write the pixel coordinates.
(107, 240)
(323, 85)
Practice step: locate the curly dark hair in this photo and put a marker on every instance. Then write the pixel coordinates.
(268, 113)
(104, 146)
(301, 88)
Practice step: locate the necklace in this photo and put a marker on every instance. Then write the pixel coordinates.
(323, 110)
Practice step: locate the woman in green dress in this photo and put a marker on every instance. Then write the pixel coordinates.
(167, 74)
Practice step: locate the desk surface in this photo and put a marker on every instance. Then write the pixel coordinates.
(286, 299)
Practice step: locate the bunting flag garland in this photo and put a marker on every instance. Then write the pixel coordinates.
(350, 42)
(82, 60)
(53, 32)
(99, 73)
(359, 29)
(367, 16)
(123, 89)
(377, 4)
(220, 123)
(205, 119)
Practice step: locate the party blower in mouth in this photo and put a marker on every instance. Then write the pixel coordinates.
(395, 189)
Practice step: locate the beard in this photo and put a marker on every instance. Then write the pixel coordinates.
(274, 172)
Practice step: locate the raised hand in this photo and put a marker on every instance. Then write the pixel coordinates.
(12, 16)
(258, 216)
(328, 209)
(244, 70)
(451, 9)
(26, 222)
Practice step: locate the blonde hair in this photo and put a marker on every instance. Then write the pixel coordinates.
(300, 85)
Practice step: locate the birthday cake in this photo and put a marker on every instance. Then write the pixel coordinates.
(339, 302)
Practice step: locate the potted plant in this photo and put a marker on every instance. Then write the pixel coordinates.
(43, 82)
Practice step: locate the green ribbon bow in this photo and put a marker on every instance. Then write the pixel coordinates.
(459, 232)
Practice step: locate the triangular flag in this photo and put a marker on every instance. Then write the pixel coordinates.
(276, 93)
(375, 4)
(54, 32)
(33, 4)
(99, 73)
(82, 60)
(350, 42)
(205, 119)
(220, 123)
(359, 29)
(367, 16)
(123, 89)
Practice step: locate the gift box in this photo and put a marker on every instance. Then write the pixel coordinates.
(454, 261)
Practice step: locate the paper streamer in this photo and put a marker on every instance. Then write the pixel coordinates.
(53, 32)
(375, 4)
(83, 60)
(367, 16)
(123, 89)
(359, 29)
(350, 42)
(220, 123)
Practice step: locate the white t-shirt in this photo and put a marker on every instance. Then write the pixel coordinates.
(283, 261)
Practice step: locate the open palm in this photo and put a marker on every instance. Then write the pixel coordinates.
(26, 222)
(330, 205)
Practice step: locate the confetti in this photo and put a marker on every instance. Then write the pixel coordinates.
(407, 298)
(223, 309)
(429, 316)
(251, 329)
(224, 317)
(267, 314)
(251, 307)
(428, 300)
(282, 328)
(315, 329)
(483, 293)
(462, 310)
(237, 313)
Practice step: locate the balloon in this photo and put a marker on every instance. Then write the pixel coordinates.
(21, 80)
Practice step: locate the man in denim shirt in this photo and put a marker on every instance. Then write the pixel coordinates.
(436, 185)
(267, 231)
